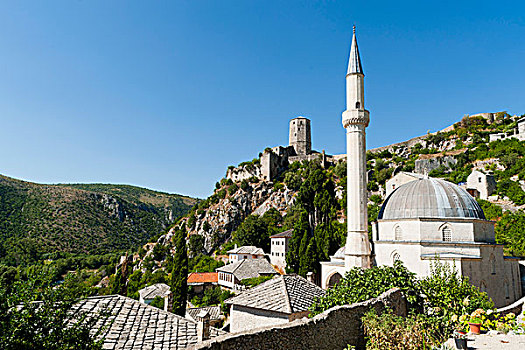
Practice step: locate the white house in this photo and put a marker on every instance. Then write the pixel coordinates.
(280, 300)
(279, 247)
(231, 275)
(162, 290)
(245, 252)
(481, 185)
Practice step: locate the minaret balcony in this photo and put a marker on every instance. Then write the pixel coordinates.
(356, 117)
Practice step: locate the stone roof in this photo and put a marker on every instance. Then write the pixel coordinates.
(285, 234)
(286, 294)
(248, 268)
(133, 325)
(155, 290)
(247, 249)
(203, 277)
(213, 311)
(354, 63)
(430, 198)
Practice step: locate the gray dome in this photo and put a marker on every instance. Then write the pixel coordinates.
(430, 198)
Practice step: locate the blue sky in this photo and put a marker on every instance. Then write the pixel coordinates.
(167, 94)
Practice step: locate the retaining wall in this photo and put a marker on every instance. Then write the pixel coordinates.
(333, 329)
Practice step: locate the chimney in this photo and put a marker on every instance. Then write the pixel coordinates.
(203, 325)
(168, 302)
(310, 277)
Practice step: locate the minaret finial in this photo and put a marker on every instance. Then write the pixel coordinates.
(353, 29)
(354, 64)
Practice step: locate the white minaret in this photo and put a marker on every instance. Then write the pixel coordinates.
(355, 120)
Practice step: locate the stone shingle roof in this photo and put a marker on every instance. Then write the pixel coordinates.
(213, 311)
(285, 234)
(139, 326)
(247, 249)
(287, 294)
(248, 268)
(155, 290)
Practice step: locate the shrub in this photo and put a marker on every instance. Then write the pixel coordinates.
(389, 331)
(363, 284)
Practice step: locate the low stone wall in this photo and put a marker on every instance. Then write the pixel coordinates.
(333, 329)
(517, 307)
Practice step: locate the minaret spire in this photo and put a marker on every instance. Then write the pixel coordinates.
(355, 120)
(354, 63)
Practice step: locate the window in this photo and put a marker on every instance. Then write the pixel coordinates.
(483, 287)
(492, 264)
(479, 179)
(507, 291)
(358, 105)
(397, 233)
(446, 234)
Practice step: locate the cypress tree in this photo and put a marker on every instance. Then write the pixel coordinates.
(179, 274)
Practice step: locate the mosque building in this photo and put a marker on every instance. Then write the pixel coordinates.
(420, 222)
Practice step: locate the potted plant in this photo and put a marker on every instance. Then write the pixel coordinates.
(460, 339)
(476, 320)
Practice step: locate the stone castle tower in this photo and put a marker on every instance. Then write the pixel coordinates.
(355, 120)
(300, 135)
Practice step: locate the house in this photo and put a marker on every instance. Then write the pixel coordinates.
(280, 300)
(134, 325)
(400, 179)
(245, 252)
(231, 275)
(279, 247)
(161, 290)
(216, 316)
(201, 281)
(480, 185)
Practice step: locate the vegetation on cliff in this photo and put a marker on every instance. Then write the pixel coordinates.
(38, 220)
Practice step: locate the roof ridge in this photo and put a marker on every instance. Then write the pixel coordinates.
(287, 295)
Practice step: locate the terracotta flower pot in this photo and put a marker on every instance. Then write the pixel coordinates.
(475, 328)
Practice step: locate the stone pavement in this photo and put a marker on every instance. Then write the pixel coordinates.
(499, 341)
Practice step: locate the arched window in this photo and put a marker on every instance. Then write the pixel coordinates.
(396, 257)
(397, 233)
(358, 105)
(446, 233)
(334, 279)
(483, 287)
(492, 264)
(507, 291)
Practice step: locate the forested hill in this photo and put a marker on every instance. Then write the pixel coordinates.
(36, 219)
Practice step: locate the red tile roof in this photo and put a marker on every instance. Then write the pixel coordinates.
(203, 277)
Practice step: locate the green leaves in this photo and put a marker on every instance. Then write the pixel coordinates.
(34, 314)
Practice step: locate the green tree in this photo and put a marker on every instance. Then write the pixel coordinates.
(35, 314)
(179, 274)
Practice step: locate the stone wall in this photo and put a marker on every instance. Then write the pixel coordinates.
(331, 330)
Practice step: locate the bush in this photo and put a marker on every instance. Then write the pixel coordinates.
(363, 284)
(389, 331)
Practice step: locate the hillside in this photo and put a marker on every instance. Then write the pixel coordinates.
(309, 196)
(78, 218)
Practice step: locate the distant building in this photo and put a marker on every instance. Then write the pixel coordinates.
(161, 290)
(279, 247)
(279, 300)
(480, 185)
(200, 281)
(518, 132)
(245, 252)
(134, 325)
(214, 312)
(400, 179)
(231, 275)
